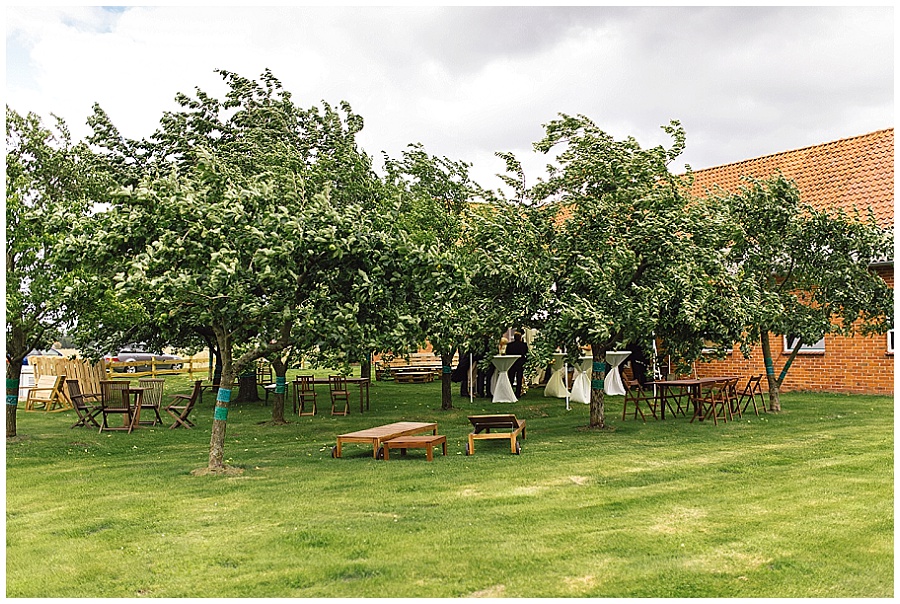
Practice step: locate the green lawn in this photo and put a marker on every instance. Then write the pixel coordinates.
(794, 505)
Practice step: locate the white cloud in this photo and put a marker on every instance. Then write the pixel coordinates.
(467, 82)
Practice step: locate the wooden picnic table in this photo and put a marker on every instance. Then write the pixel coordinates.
(379, 434)
(692, 386)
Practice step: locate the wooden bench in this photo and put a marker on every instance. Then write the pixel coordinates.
(483, 424)
(377, 435)
(416, 442)
(413, 377)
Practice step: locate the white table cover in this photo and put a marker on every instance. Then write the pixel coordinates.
(502, 388)
(613, 382)
(581, 386)
(556, 385)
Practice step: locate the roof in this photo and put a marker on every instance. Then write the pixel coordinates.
(847, 173)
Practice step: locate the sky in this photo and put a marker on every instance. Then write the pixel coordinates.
(467, 82)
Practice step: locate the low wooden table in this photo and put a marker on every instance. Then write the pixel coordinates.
(416, 442)
(377, 435)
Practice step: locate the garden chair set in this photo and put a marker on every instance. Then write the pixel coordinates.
(115, 401)
(715, 398)
(305, 401)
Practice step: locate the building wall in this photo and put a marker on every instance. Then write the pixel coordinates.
(858, 365)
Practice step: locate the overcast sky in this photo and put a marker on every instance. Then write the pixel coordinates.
(467, 82)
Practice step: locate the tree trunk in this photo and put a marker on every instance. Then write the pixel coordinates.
(365, 367)
(220, 416)
(773, 382)
(13, 375)
(248, 389)
(598, 374)
(280, 368)
(446, 384)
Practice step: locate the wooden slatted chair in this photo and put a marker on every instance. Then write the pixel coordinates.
(483, 424)
(712, 402)
(634, 396)
(181, 405)
(339, 394)
(305, 397)
(87, 413)
(115, 401)
(47, 394)
(151, 399)
(751, 391)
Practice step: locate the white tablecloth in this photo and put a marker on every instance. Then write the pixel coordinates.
(556, 385)
(581, 386)
(502, 388)
(613, 382)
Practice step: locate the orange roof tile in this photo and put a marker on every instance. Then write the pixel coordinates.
(852, 172)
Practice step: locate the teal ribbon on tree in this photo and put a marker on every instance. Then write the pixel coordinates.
(224, 395)
(12, 399)
(280, 385)
(599, 365)
(221, 414)
(597, 384)
(447, 369)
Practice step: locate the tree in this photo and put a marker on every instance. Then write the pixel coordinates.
(434, 194)
(247, 210)
(632, 256)
(807, 269)
(48, 181)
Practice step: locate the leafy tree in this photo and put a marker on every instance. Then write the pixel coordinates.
(807, 269)
(248, 208)
(632, 257)
(434, 194)
(48, 181)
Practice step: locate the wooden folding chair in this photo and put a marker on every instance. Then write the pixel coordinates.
(305, 394)
(181, 405)
(712, 402)
(339, 394)
(152, 398)
(752, 390)
(47, 393)
(731, 398)
(115, 401)
(86, 413)
(634, 396)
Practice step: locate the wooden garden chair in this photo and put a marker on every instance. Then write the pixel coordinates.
(339, 394)
(751, 391)
(181, 405)
(47, 393)
(483, 424)
(151, 399)
(87, 413)
(713, 402)
(115, 401)
(305, 394)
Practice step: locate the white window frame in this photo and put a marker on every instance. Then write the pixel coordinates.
(890, 341)
(817, 348)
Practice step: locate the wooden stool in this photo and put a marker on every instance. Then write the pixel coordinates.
(426, 442)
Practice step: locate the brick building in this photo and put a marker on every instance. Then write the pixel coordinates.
(857, 171)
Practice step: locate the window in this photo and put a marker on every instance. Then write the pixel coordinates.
(790, 341)
(890, 341)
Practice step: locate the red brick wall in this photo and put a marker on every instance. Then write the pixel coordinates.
(855, 365)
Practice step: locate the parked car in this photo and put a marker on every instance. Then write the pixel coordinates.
(51, 352)
(131, 354)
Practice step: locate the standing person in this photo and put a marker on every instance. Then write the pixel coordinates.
(517, 371)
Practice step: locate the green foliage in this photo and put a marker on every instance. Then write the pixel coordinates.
(807, 271)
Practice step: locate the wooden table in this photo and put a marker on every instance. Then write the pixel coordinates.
(138, 393)
(362, 382)
(379, 434)
(693, 387)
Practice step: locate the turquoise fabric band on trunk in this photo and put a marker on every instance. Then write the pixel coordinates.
(224, 395)
(597, 384)
(279, 385)
(12, 400)
(221, 414)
